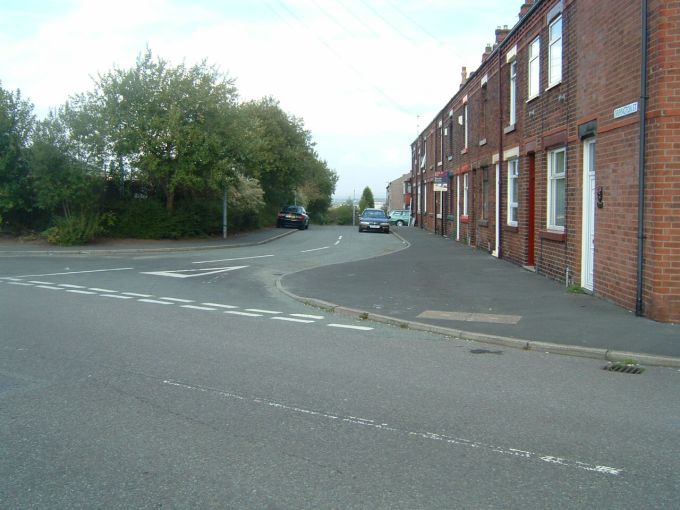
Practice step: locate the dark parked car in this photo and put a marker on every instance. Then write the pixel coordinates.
(374, 220)
(293, 216)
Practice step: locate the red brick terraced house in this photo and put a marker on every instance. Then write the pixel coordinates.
(561, 152)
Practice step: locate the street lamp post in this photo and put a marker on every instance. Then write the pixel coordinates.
(224, 212)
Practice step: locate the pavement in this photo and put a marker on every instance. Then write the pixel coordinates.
(438, 285)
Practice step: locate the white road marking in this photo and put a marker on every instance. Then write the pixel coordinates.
(245, 314)
(78, 272)
(229, 260)
(290, 319)
(271, 312)
(194, 307)
(40, 283)
(72, 286)
(219, 306)
(306, 316)
(51, 287)
(134, 294)
(197, 272)
(338, 241)
(76, 291)
(431, 436)
(117, 296)
(155, 301)
(11, 278)
(347, 326)
(178, 300)
(315, 249)
(21, 283)
(102, 290)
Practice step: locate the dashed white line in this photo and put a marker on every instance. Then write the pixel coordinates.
(347, 326)
(178, 300)
(155, 301)
(40, 283)
(315, 249)
(134, 294)
(51, 287)
(77, 272)
(228, 260)
(21, 283)
(117, 296)
(76, 291)
(219, 305)
(291, 319)
(72, 286)
(256, 310)
(307, 316)
(102, 290)
(195, 307)
(245, 314)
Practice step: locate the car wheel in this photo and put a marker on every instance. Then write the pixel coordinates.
(400, 223)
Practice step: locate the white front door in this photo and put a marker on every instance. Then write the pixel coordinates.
(588, 236)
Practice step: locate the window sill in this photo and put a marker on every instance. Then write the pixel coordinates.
(449, 158)
(465, 219)
(557, 84)
(464, 151)
(509, 129)
(554, 235)
(533, 98)
(511, 228)
(482, 142)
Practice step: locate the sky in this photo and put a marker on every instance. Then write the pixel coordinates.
(365, 76)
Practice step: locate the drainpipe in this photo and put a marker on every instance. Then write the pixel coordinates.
(499, 238)
(641, 164)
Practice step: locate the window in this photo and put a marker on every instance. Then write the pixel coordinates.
(485, 193)
(465, 124)
(513, 92)
(465, 194)
(556, 189)
(513, 191)
(534, 68)
(555, 52)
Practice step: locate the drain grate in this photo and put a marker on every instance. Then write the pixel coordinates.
(624, 368)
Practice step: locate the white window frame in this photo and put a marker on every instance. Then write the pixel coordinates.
(555, 52)
(534, 70)
(466, 180)
(513, 199)
(513, 93)
(465, 123)
(555, 175)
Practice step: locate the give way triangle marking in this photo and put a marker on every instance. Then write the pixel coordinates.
(190, 273)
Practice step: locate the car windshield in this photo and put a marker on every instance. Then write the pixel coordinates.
(374, 213)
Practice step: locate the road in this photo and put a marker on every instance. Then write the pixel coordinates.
(188, 380)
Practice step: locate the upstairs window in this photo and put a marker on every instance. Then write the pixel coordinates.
(465, 194)
(555, 52)
(513, 92)
(534, 72)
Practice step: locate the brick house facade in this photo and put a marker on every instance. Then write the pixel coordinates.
(536, 159)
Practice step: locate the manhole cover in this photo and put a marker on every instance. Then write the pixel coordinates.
(624, 368)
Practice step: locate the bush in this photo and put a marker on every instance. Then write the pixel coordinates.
(76, 229)
(341, 215)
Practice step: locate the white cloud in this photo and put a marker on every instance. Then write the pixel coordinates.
(357, 72)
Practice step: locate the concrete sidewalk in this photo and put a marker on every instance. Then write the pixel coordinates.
(440, 285)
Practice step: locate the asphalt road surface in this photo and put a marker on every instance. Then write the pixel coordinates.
(187, 380)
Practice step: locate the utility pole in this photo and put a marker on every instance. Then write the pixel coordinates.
(224, 212)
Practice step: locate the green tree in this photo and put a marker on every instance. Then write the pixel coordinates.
(16, 193)
(366, 199)
(170, 126)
